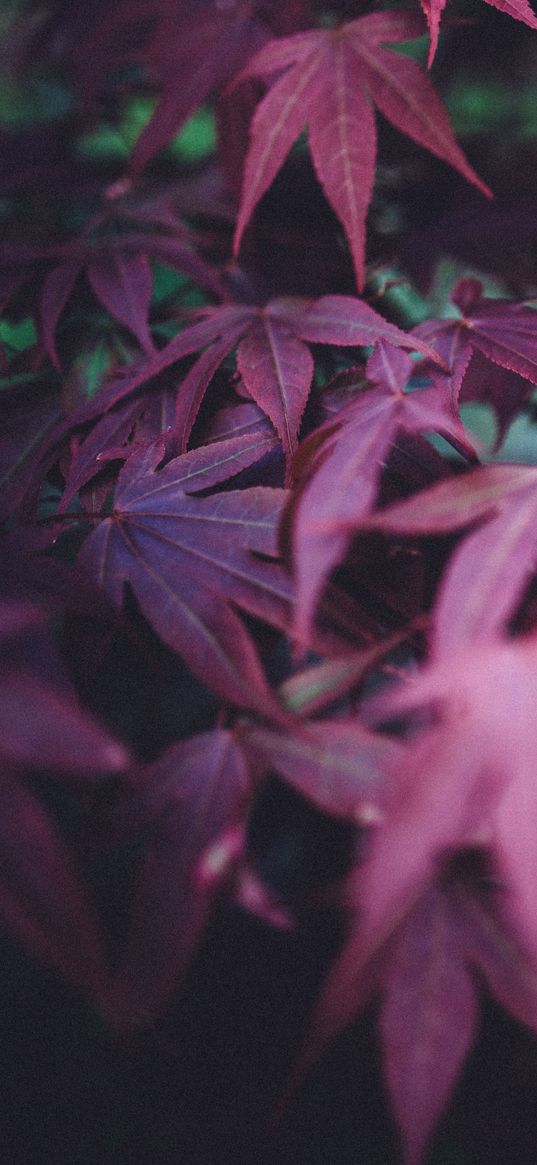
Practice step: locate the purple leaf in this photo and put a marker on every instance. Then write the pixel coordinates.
(29, 417)
(275, 365)
(236, 420)
(112, 431)
(42, 728)
(187, 559)
(194, 386)
(123, 283)
(277, 370)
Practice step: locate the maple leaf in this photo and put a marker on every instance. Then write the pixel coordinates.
(474, 605)
(184, 53)
(192, 60)
(330, 79)
(41, 898)
(506, 392)
(342, 462)
(429, 1013)
(234, 420)
(272, 357)
(187, 559)
(119, 274)
(490, 704)
(135, 421)
(519, 9)
(425, 975)
(133, 226)
(466, 781)
(338, 764)
(43, 729)
(428, 1018)
(30, 413)
(111, 433)
(501, 331)
(58, 735)
(183, 802)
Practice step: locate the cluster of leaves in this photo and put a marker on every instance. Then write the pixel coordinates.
(232, 437)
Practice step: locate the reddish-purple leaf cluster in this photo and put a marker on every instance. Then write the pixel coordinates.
(217, 491)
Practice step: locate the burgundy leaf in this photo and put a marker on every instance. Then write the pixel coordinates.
(333, 78)
(198, 56)
(344, 459)
(503, 332)
(177, 252)
(186, 798)
(346, 320)
(219, 323)
(235, 420)
(41, 899)
(520, 9)
(473, 605)
(277, 370)
(195, 384)
(112, 431)
(275, 365)
(428, 1018)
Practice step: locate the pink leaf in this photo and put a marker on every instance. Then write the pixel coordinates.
(493, 948)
